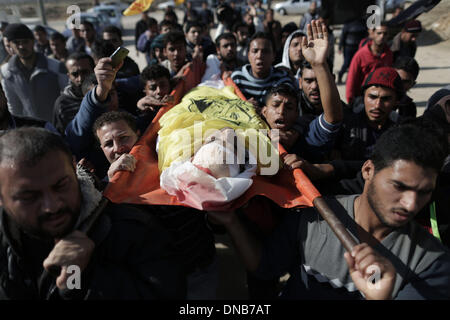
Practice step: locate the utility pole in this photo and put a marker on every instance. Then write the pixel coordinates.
(41, 10)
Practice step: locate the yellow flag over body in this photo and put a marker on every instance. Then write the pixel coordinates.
(137, 6)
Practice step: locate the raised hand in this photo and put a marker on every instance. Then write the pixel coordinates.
(315, 46)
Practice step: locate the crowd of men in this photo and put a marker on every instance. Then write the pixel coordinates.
(69, 120)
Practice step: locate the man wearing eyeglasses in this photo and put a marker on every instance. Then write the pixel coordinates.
(32, 81)
(79, 66)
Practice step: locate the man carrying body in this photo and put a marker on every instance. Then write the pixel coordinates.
(408, 262)
(117, 132)
(310, 137)
(44, 201)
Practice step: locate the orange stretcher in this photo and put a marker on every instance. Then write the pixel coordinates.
(287, 188)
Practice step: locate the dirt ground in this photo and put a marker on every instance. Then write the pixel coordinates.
(433, 57)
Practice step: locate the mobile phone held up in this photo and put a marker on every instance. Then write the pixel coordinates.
(118, 56)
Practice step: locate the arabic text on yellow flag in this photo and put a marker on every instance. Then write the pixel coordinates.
(137, 6)
(178, 2)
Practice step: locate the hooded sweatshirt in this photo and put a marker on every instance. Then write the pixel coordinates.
(286, 61)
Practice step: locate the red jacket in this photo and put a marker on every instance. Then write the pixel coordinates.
(364, 62)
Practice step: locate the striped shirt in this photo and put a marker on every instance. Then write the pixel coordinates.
(252, 87)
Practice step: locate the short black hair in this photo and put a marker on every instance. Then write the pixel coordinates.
(102, 48)
(77, 56)
(407, 64)
(284, 89)
(192, 24)
(174, 37)
(419, 141)
(29, 145)
(40, 29)
(114, 116)
(57, 36)
(262, 35)
(113, 29)
(154, 72)
(226, 35)
(167, 23)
